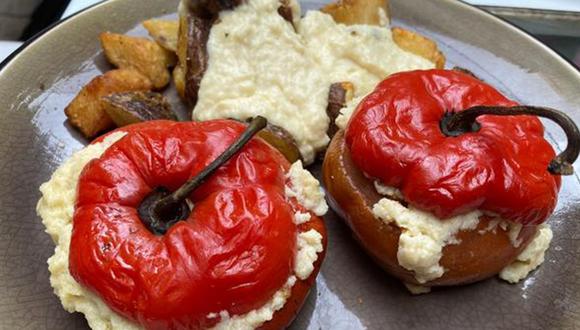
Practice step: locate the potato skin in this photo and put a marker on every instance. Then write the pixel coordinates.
(351, 12)
(164, 32)
(419, 45)
(87, 112)
(352, 195)
(283, 317)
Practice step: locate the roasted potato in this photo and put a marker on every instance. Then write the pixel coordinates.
(419, 45)
(352, 12)
(86, 111)
(134, 107)
(164, 32)
(142, 54)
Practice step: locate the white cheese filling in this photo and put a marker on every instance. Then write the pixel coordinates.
(306, 189)
(423, 237)
(56, 208)
(260, 65)
(530, 258)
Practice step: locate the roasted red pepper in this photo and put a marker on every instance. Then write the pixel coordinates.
(396, 135)
(234, 251)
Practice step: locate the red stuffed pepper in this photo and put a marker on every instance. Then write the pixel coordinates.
(193, 225)
(443, 179)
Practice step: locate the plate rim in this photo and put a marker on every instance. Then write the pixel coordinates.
(480, 11)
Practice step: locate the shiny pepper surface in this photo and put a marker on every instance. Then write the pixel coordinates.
(232, 254)
(394, 136)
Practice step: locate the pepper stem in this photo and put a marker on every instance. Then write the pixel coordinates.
(457, 123)
(161, 209)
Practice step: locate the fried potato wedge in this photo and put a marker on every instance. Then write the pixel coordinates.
(419, 45)
(164, 32)
(128, 108)
(350, 12)
(142, 54)
(86, 111)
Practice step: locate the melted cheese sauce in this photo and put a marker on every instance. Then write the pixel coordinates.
(56, 208)
(260, 65)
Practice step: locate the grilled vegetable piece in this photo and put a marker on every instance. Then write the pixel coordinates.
(195, 21)
(350, 12)
(338, 96)
(141, 54)
(86, 111)
(280, 139)
(135, 107)
(164, 32)
(419, 45)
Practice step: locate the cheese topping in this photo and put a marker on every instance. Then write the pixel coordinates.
(530, 258)
(423, 236)
(56, 208)
(306, 189)
(260, 65)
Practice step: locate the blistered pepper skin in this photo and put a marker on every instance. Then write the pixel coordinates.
(232, 254)
(395, 137)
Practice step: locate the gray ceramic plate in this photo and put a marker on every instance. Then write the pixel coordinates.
(351, 292)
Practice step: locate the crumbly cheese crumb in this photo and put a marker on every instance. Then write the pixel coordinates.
(530, 258)
(56, 209)
(387, 190)
(309, 245)
(417, 289)
(423, 236)
(346, 112)
(306, 189)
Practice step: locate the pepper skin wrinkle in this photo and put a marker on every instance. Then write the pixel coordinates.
(232, 253)
(395, 136)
